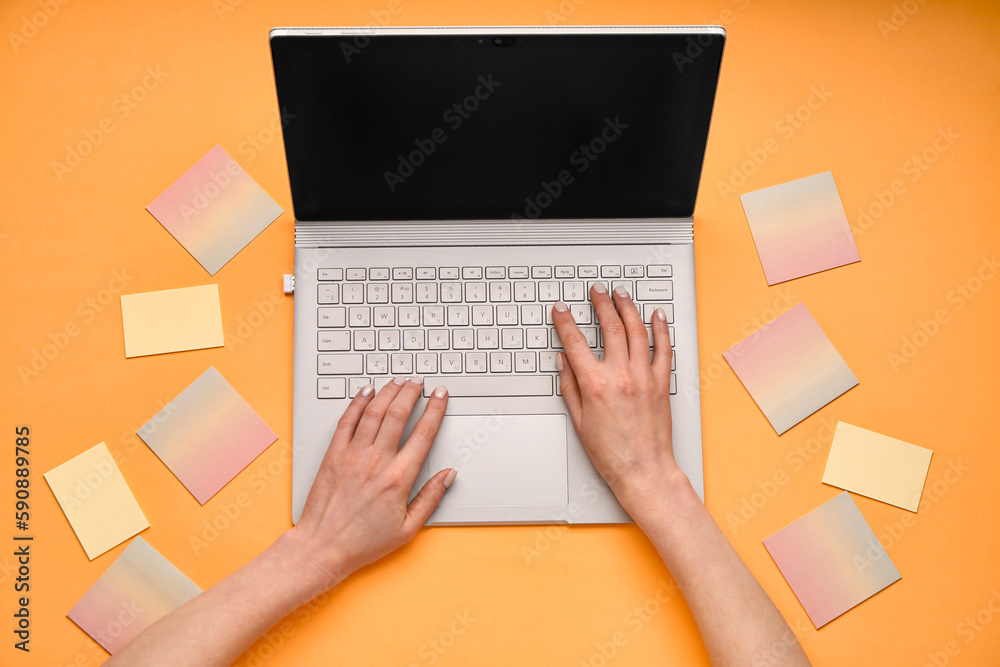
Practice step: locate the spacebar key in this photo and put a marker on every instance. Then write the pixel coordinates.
(340, 364)
(504, 385)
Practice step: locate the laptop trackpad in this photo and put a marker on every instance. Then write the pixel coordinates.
(503, 459)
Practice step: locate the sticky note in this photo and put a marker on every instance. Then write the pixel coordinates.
(831, 559)
(96, 500)
(207, 435)
(877, 466)
(800, 228)
(790, 368)
(172, 320)
(215, 209)
(136, 590)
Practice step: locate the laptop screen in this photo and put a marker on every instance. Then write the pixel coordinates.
(511, 124)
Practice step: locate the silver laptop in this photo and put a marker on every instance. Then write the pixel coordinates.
(449, 185)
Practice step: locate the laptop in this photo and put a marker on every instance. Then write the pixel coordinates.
(449, 185)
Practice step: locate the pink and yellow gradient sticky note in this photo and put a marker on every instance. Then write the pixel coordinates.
(96, 500)
(790, 368)
(138, 589)
(215, 209)
(172, 320)
(800, 228)
(877, 466)
(831, 559)
(207, 435)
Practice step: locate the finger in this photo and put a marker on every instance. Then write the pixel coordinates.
(638, 339)
(570, 389)
(398, 412)
(343, 434)
(612, 329)
(427, 500)
(661, 346)
(572, 339)
(413, 453)
(374, 413)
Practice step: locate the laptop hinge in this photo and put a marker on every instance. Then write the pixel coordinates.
(488, 232)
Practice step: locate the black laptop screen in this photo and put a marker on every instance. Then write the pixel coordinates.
(505, 125)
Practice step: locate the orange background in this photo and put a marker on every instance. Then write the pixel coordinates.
(893, 76)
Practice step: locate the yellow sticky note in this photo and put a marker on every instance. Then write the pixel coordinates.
(877, 466)
(172, 320)
(96, 500)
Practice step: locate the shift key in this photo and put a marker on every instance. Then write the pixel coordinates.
(340, 364)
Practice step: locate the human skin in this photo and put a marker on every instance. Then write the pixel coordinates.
(357, 510)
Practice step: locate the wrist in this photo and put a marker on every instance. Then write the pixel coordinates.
(311, 571)
(656, 495)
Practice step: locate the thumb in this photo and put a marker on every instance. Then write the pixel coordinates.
(428, 498)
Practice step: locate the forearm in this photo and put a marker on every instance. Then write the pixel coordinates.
(737, 619)
(218, 625)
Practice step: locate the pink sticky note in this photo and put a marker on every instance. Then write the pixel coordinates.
(207, 435)
(215, 209)
(831, 559)
(136, 590)
(800, 228)
(790, 368)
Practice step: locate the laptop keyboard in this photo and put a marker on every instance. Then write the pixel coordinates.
(480, 330)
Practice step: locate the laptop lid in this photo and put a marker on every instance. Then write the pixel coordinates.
(495, 123)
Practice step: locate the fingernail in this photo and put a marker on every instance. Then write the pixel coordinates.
(416, 379)
(600, 287)
(660, 314)
(367, 390)
(450, 477)
(400, 380)
(561, 306)
(440, 392)
(620, 291)
(559, 361)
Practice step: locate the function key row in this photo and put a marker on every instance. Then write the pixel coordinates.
(497, 272)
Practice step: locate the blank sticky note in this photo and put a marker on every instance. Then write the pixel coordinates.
(831, 559)
(214, 209)
(800, 228)
(877, 466)
(136, 590)
(172, 320)
(790, 368)
(207, 435)
(96, 500)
